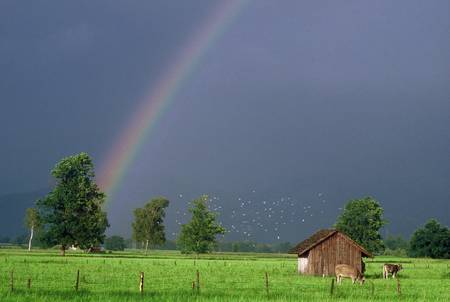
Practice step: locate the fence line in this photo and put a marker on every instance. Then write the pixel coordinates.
(16, 275)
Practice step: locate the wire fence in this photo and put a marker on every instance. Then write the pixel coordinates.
(162, 275)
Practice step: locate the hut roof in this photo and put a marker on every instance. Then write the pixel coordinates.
(321, 236)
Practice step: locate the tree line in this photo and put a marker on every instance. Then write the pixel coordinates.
(71, 215)
(362, 220)
(118, 243)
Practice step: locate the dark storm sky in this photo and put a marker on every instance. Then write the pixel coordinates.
(309, 103)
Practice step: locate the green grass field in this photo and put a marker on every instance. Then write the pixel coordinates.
(223, 277)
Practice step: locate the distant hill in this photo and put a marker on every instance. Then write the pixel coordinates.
(12, 211)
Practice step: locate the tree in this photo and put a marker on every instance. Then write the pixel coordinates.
(32, 222)
(432, 240)
(138, 226)
(115, 243)
(396, 243)
(71, 213)
(396, 246)
(199, 235)
(148, 222)
(361, 221)
(282, 247)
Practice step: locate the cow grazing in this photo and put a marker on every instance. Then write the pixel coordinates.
(348, 271)
(393, 269)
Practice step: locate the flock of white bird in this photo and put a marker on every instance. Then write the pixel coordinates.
(246, 218)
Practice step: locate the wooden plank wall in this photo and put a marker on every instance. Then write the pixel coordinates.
(335, 250)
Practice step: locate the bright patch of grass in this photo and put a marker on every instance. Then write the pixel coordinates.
(223, 277)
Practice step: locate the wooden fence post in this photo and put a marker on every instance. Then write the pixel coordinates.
(198, 281)
(141, 283)
(399, 291)
(267, 284)
(77, 284)
(29, 283)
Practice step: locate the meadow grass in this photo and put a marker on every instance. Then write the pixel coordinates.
(223, 277)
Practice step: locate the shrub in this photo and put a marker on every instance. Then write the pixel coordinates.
(115, 243)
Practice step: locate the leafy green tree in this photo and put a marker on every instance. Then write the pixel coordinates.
(396, 243)
(361, 220)
(71, 213)
(32, 222)
(199, 235)
(138, 226)
(115, 243)
(396, 246)
(432, 240)
(148, 223)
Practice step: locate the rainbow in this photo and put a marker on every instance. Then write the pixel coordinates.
(152, 108)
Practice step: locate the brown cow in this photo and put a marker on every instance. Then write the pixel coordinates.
(348, 271)
(393, 269)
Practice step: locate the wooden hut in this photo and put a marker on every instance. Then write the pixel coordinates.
(320, 253)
